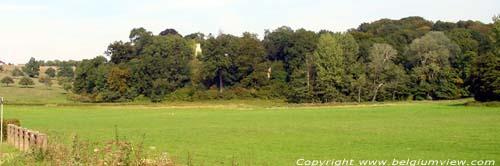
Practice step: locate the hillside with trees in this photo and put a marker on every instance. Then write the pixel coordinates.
(407, 59)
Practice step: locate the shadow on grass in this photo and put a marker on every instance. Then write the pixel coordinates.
(478, 104)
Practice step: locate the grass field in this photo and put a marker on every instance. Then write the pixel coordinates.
(262, 135)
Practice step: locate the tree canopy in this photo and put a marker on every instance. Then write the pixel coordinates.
(407, 59)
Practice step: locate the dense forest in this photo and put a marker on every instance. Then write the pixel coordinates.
(407, 59)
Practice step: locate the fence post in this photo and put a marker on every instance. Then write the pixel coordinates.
(24, 139)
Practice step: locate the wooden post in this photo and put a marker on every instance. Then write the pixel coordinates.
(24, 139)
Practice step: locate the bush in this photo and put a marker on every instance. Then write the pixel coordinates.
(17, 72)
(47, 81)
(7, 122)
(182, 94)
(26, 81)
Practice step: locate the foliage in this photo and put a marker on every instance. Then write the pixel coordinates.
(121, 52)
(380, 66)
(45, 80)
(32, 68)
(410, 58)
(17, 72)
(26, 82)
(7, 80)
(5, 124)
(65, 70)
(435, 78)
(328, 59)
(485, 78)
(51, 72)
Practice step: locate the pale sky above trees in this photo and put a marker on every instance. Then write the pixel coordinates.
(82, 29)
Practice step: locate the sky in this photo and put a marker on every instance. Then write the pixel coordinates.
(82, 29)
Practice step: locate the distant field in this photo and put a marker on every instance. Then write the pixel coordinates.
(263, 134)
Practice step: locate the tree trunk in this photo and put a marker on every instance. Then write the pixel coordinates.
(376, 91)
(393, 95)
(221, 83)
(359, 94)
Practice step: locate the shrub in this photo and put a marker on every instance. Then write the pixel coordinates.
(17, 72)
(182, 94)
(67, 87)
(47, 81)
(26, 81)
(7, 122)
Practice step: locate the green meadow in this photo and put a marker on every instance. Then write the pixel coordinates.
(262, 133)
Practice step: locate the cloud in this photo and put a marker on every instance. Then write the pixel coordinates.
(22, 8)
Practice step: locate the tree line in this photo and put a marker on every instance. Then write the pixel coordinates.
(407, 59)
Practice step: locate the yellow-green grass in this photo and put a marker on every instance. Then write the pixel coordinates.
(36, 94)
(252, 133)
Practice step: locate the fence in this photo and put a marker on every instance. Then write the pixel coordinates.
(24, 139)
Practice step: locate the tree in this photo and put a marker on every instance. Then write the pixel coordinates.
(65, 70)
(51, 72)
(88, 77)
(140, 38)
(167, 59)
(1, 68)
(217, 60)
(17, 72)
(435, 79)
(381, 62)
(277, 41)
(7, 80)
(26, 82)
(485, 74)
(251, 62)
(299, 65)
(329, 57)
(117, 80)
(47, 81)
(121, 52)
(169, 31)
(32, 68)
(485, 78)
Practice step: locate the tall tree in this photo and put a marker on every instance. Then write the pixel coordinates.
(32, 68)
(435, 79)
(277, 41)
(329, 57)
(485, 78)
(485, 75)
(381, 56)
(87, 79)
(299, 65)
(251, 62)
(167, 58)
(217, 60)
